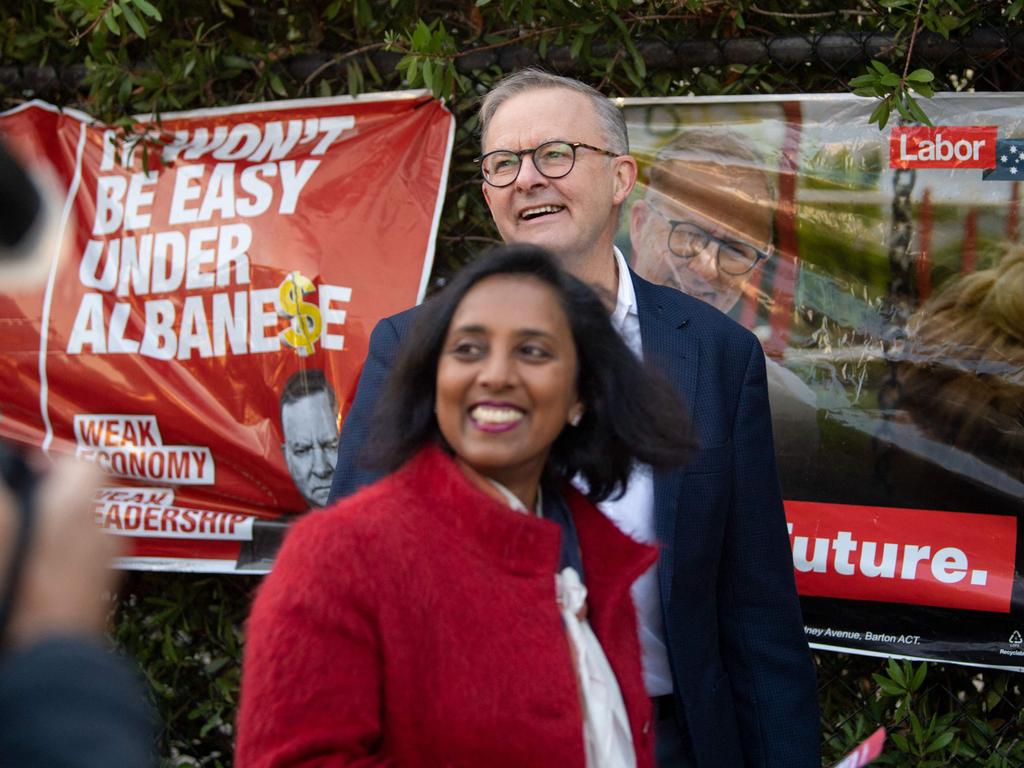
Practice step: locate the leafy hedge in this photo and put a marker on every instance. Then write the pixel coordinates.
(113, 58)
(185, 632)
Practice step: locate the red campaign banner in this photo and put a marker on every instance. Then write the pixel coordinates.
(201, 327)
(914, 556)
(947, 146)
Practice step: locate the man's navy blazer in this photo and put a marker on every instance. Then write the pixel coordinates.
(741, 668)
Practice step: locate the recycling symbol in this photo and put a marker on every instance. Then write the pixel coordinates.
(1015, 638)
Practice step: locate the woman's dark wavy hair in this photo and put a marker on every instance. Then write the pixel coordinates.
(631, 414)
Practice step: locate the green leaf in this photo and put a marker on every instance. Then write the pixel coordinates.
(169, 651)
(638, 62)
(354, 79)
(420, 36)
(631, 73)
(236, 62)
(888, 686)
(890, 79)
(277, 86)
(125, 90)
(941, 741)
(133, 21)
(921, 76)
(363, 14)
(924, 90)
(865, 80)
(332, 10)
(896, 672)
(108, 20)
(577, 46)
(451, 77)
(919, 675)
(915, 110)
(916, 728)
(428, 75)
(374, 74)
(209, 726)
(149, 9)
(901, 742)
(901, 107)
(324, 88)
(879, 67)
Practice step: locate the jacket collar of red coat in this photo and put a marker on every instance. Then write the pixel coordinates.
(524, 543)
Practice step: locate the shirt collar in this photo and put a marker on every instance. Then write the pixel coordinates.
(625, 299)
(513, 500)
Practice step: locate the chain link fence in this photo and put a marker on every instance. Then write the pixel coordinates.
(936, 714)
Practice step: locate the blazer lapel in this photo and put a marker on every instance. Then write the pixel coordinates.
(667, 342)
(671, 347)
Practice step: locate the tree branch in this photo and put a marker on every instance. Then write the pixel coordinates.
(913, 38)
(816, 15)
(77, 37)
(338, 59)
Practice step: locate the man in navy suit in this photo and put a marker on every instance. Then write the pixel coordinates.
(725, 659)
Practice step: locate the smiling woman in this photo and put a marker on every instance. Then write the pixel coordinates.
(440, 617)
(506, 381)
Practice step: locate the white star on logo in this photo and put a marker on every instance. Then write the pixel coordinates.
(1013, 170)
(1004, 159)
(1013, 149)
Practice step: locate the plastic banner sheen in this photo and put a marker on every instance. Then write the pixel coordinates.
(883, 272)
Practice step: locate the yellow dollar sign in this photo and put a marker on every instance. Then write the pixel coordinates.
(305, 317)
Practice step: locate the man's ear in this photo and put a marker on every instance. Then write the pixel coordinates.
(625, 178)
(486, 188)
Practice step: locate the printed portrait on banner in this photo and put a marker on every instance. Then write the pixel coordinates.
(883, 272)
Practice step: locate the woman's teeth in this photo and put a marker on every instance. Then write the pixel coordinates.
(489, 414)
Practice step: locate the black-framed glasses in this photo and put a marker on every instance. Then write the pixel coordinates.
(553, 159)
(686, 240)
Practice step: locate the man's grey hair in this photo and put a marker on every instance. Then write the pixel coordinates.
(613, 124)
